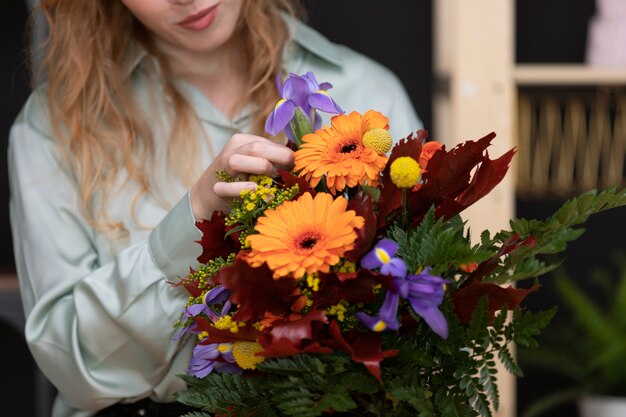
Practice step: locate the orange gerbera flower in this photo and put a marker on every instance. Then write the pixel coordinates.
(306, 235)
(338, 152)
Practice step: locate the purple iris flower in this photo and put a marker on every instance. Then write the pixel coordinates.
(387, 317)
(214, 296)
(303, 93)
(425, 294)
(205, 359)
(383, 257)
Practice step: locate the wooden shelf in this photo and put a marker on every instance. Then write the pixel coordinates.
(568, 75)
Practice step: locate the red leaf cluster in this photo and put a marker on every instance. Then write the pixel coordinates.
(255, 291)
(213, 242)
(289, 180)
(466, 299)
(473, 289)
(363, 347)
(363, 205)
(449, 184)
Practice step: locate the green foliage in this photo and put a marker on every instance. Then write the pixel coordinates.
(550, 236)
(438, 244)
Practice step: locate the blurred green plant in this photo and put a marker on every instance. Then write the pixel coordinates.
(590, 349)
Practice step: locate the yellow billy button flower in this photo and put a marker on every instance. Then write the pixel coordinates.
(245, 354)
(405, 172)
(378, 139)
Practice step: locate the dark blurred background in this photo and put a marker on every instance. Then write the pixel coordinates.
(396, 33)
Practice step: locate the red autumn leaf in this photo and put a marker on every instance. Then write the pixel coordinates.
(358, 289)
(280, 348)
(213, 242)
(448, 176)
(363, 205)
(466, 299)
(289, 180)
(487, 266)
(390, 195)
(363, 347)
(298, 330)
(488, 175)
(255, 291)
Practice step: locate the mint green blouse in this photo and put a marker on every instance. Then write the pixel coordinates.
(100, 312)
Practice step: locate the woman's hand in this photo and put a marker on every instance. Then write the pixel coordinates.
(243, 154)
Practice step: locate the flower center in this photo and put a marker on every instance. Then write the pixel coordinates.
(307, 240)
(308, 243)
(351, 147)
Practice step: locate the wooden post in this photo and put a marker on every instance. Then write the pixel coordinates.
(475, 94)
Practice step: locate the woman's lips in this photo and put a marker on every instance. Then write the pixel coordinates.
(200, 20)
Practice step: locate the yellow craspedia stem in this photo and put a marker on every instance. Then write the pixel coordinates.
(405, 172)
(245, 354)
(378, 139)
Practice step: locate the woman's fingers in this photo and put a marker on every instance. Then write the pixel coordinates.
(232, 189)
(274, 153)
(245, 164)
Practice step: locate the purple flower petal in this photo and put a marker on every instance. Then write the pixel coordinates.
(206, 352)
(296, 90)
(425, 293)
(389, 310)
(280, 117)
(388, 246)
(188, 329)
(321, 100)
(374, 323)
(200, 368)
(434, 318)
(387, 317)
(370, 260)
(228, 368)
(216, 295)
(382, 254)
(325, 86)
(395, 267)
(311, 82)
(194, 309)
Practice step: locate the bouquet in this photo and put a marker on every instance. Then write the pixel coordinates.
(351, 286)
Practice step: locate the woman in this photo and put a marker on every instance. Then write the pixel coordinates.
(114, 158)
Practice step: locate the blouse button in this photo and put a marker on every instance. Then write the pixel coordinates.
(141, 412)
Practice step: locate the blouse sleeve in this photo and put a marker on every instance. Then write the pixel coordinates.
(99, 332)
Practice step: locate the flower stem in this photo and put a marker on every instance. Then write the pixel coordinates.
(405, 209)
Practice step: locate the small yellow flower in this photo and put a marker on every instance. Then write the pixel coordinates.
(405, 172)
(378, 139)
(245, 354)
(313, 281)
(203, 335)
(338, 310)
(250, 206)
(227, 323)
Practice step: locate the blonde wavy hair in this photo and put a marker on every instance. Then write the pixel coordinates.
(97, 122)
